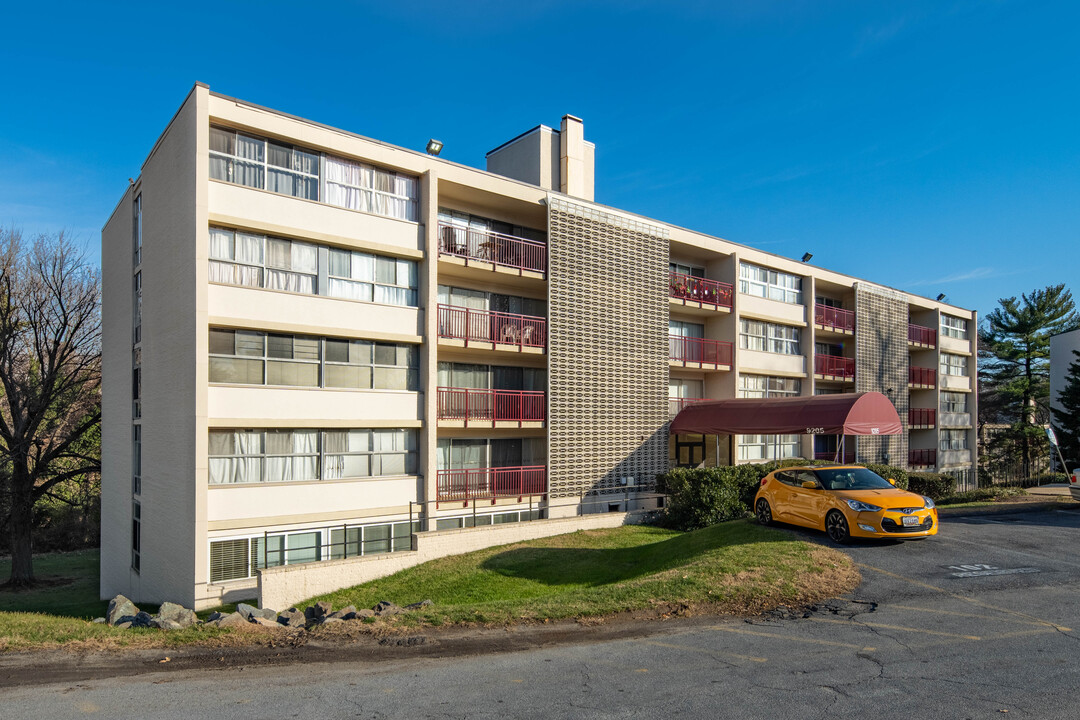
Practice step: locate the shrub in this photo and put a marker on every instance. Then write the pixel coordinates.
(888, 471)
(934, 485)
(982, 495)
(699, 497)
(1046, 479)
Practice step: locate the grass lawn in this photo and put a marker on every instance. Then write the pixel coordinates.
(76, 599)
(732, 567)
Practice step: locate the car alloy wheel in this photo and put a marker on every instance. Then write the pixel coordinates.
(764, 512)
(836, 526)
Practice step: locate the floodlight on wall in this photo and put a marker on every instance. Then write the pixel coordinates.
(806, 257)
(434, 147)
(941, 297)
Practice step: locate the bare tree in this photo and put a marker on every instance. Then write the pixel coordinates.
(50, 377)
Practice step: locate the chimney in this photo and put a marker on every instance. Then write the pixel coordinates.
(572, 162)
(560, 160)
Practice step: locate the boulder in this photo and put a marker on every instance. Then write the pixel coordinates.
(173, 613)
(251, 612)
(365, 613)
(292, 618)
(142, 619)
(322, 609)
(263, 622)
(346, 613)
(124, 625)
(418, 605)
(99, 621)
(386, 607)
(120, 610)
(231, 620)
(165, 624)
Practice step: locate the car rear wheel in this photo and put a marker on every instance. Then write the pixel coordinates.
(837, 528)
(764, 512)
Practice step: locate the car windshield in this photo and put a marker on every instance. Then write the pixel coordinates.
(851, 479)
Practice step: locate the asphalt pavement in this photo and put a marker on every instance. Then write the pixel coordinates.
(980, 621)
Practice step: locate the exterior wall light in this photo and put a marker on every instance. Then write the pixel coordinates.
(806, 257)
(434, 147)
(941, 297)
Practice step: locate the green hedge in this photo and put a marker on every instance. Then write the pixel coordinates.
(934, 485)
(699, 497)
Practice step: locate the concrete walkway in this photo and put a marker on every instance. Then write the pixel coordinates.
(1052, 489)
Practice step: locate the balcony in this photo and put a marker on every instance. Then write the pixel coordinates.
(490, 330)
(922, 458)
(700, 353)
(921, 418)
(922, 377)
(490, 483)
(699, 292)
(468, 407)
(834, 319)
(676, 404)
(492, 249)
(834, 367)
(923, 337)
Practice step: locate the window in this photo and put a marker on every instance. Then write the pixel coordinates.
(683, 392)
(247, 357)
(828, 302)
(953, 365)
(136, 228)
(264, 164)
(771, 284)
(954, 440)
(136, 302)
(769, 337)
(763, 386)
(240, 258)
(359, 186)
(691, 270)
(374, 278)
(768, 447)
(271, 456)
(136, 452)
(464, 454)
(136, 534)
(953, 402)
(954, 327)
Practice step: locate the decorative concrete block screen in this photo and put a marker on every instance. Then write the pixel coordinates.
(882, 363)
(607, 350)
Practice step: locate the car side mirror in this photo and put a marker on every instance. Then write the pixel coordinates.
(810, 485)
(891, 481)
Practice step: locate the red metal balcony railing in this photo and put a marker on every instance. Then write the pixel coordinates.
(490, 483)
(922, 458)
(492, 247)
(924, 417)
(834, 366)
(849, 456)
(922, 376)
(485, 326)
(922, 335)
(700, 350)
(834, 318)
(490, 405)
(677, 404)
(707, 292)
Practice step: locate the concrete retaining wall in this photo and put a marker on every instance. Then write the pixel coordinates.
(281, 587)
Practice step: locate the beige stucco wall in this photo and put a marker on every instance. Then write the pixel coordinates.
(281, 587)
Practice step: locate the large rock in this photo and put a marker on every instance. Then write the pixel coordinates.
(365, 613)
(231, 620)
(142, 619)
(386, 607)
(292, 618)
(165, 624)
(346, 613)
(177, 614)
(251, 612)
(120, 610)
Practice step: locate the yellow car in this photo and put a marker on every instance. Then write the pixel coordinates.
(845, 501)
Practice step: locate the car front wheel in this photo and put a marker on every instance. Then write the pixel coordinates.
(764, 512)
(837, 528)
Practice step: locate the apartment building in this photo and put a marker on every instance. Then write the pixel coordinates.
(317, 344)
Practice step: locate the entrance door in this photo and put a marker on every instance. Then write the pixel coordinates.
(689, 452)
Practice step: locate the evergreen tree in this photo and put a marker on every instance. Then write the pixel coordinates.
(1067, 420)
(1015, 354)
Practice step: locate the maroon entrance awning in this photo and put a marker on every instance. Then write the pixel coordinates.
(869, 413)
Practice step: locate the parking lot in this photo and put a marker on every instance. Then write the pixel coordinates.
(980, 621)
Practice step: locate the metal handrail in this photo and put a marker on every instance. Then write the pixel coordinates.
(492, 247)
(921, 335)
(834, 317)
(490, 483)
(488, 326)
(697, 289)
(834, 366)
(927, 458)
(922, 376)
(492, 405)
(922, 416)
(700, 350)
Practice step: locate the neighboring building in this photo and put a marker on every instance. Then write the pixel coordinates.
(313, 339)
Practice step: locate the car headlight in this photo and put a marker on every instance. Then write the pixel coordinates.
(928, 501)
(861, 506)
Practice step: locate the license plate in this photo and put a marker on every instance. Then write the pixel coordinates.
(910, 520)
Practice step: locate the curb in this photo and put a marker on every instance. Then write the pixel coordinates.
(1007, 508)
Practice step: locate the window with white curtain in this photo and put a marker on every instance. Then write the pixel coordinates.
(359, 186)
(954, 327)
(255, 162)
(769, 337)
(768, 447)
(772, 284)
(954, 440)
(373, 278)
(249, 357)
(953, 402)
(762, 386)
(273, 456)
(955, 365)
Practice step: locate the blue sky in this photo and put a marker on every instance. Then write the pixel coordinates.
(929, 146)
